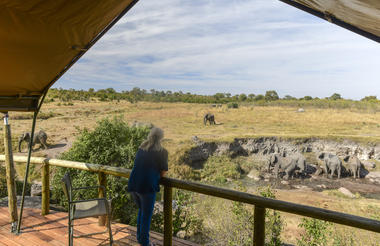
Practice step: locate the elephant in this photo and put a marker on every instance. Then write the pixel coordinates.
(331, 163)
(300, 159)
(210, 118)
(354, 165)
(39, 138)
(287, 163)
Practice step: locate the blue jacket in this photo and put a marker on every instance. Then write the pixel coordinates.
(145, 175)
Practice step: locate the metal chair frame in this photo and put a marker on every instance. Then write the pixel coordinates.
(68, 190)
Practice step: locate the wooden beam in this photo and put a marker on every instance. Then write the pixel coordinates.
(116, 171)
(102, 179)
(10, 172)
(259, 227)
(45, 206)
(168, 216)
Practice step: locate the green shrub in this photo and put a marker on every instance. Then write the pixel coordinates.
(112, 143)
(232, 105)
(316, 232)
(219, 169)
(184, 216)
(243, 225)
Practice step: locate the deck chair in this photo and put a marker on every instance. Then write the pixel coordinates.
(80, 209)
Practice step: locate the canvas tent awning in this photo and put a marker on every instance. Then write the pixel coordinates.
(359, 16)
(40, 40)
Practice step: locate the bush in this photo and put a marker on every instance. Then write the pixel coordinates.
(220, 168)
(184, 216)
(316, 232)
(112, 143)
(233, 105)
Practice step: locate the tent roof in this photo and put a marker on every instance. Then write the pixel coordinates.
(360, 16)
(40, 40)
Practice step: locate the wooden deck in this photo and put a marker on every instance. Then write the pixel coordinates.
(38, 230)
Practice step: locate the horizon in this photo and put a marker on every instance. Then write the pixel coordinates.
(226, 94)
(204, 48)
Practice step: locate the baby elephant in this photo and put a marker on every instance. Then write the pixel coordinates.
(210, 118)
(39, 138)
(354, 165)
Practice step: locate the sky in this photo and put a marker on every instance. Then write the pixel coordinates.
(229, 46)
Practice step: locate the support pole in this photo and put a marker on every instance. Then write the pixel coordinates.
(102, 179)
(10, 173)
(27, 171)
(259, 226)
(45, 206)
(168, 215)
(28, 161)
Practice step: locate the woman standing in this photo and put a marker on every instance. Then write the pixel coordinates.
(151, 163)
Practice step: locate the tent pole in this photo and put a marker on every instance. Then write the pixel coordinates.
(26, 172)
(28, 162)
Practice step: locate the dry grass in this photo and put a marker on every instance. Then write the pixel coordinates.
(181, 121)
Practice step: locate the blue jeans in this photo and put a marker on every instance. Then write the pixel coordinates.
(145, 203)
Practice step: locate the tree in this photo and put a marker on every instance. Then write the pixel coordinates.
(259, 97)
(369, 98)
(218, 96)
(335, 96)
(110, 90)
(288, 97)
(307, 98)
(242, 97)
(271, 96)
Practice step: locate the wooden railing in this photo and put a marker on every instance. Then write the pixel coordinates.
(260, 203)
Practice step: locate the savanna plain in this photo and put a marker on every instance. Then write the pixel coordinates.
(182, 121)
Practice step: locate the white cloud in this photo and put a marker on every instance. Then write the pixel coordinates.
(229, 46)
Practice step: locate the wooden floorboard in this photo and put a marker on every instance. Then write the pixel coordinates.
(38, 230)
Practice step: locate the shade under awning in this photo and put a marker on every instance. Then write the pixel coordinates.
(40, 40)
(359, 16)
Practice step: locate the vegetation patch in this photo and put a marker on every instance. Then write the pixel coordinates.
(220, 169)
(113, 142)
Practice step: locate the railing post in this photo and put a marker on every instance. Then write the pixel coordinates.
(102, 179)
(45, 189)
(259, 226)
(168, 216)
(10, 173)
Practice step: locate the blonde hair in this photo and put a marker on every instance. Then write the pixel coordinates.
(153, 142)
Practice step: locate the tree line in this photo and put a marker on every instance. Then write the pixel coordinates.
(137, 94)
(270, 97)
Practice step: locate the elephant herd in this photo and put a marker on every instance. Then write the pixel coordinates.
(295, 163)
